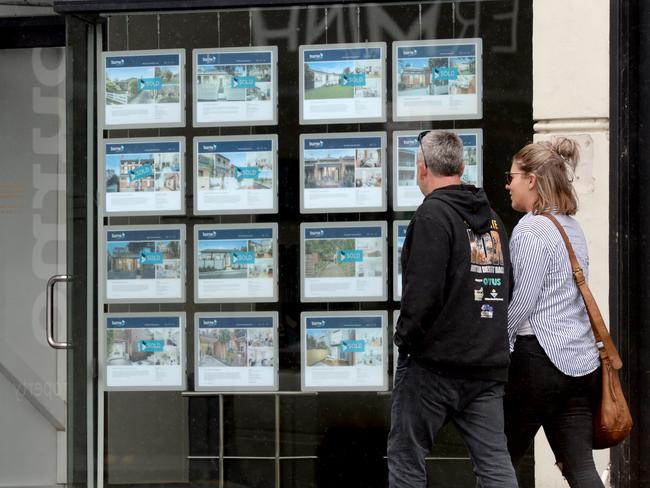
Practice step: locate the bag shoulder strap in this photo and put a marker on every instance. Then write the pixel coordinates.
(604, 342)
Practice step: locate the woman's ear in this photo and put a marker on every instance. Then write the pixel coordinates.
(532, 181)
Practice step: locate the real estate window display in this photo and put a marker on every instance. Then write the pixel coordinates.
(344, 431)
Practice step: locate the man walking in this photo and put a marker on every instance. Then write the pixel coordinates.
(452, 329)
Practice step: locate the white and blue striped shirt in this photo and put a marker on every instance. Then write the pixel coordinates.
(546, 296)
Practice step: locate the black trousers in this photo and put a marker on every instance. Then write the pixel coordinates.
(540, 395)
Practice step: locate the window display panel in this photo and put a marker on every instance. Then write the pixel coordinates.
(395, 348)
(343, 261)
(472, 156)
(143, 176)
(235, 175)
(344, 351)
(144, 264)
(144, 351)
(344, 430)
(343, 83)
(235, 263)
(437, 80)
(235, 86)
(343, 172)
(236, 351)
(399, 236)
(406, 193)
(142, 89)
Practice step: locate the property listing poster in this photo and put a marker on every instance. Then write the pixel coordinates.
(143, 89)
(144, 264)
(344, 351)
(343, 261)
(143, 176)
(235, 86)
(342, 82)
(436, 80)
(144, 351)
(235, 263)
(399, 236)
(406, 193)
(236, 351)
(235, 174)
(343, 172)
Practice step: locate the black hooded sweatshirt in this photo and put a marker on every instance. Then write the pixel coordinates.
(455, 286)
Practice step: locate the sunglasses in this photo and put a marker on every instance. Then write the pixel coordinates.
(509, 176)
(420, 136)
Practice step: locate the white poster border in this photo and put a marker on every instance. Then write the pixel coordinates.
(395, 348)
(353, 313)
(397, 206)
(102, 272)
(253, 137)
(102, 194)
(348, 298)
(478, 114)
(101, 109)
(344, 135)
(275, 318)
(274, 233)
(396, 259)
(103, 366)
(243, 123)
(338, 120)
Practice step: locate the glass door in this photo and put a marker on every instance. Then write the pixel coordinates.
(43, 273)
(33, 383)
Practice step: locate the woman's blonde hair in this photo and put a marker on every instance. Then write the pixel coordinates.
(554, 163)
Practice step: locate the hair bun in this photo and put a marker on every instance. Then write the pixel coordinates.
(567, 149)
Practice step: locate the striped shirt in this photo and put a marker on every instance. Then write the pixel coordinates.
(546, 296)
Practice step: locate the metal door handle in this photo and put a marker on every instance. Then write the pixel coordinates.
(49, 312)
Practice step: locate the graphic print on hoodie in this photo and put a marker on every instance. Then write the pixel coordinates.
(455, 284)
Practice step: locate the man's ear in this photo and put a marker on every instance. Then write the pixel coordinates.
(462, 169)
(422, 168)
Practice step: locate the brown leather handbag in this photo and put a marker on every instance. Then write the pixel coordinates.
(612, 419)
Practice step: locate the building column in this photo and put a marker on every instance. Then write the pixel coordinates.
(571, 98)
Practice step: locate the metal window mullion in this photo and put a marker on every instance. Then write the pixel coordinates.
(94, 54)
(276, 399)
(221, 443)
(99, 225)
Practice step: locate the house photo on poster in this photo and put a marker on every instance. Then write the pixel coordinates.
(144, 264)
(399, 236)
(236, 351)
(344, 261)
(343, 83)
(142, 89)
(143, 176)
(344, 351)
(344, 172)
(144, 351)
(235, 263)
(235, 86)
(437, 80)
(406, 193)
(235, 175)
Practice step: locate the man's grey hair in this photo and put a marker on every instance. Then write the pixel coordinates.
(443, 153)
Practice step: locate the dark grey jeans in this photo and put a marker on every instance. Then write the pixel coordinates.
(423, 402)
(540, 395)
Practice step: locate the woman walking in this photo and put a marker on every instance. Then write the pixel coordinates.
(554, 372)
